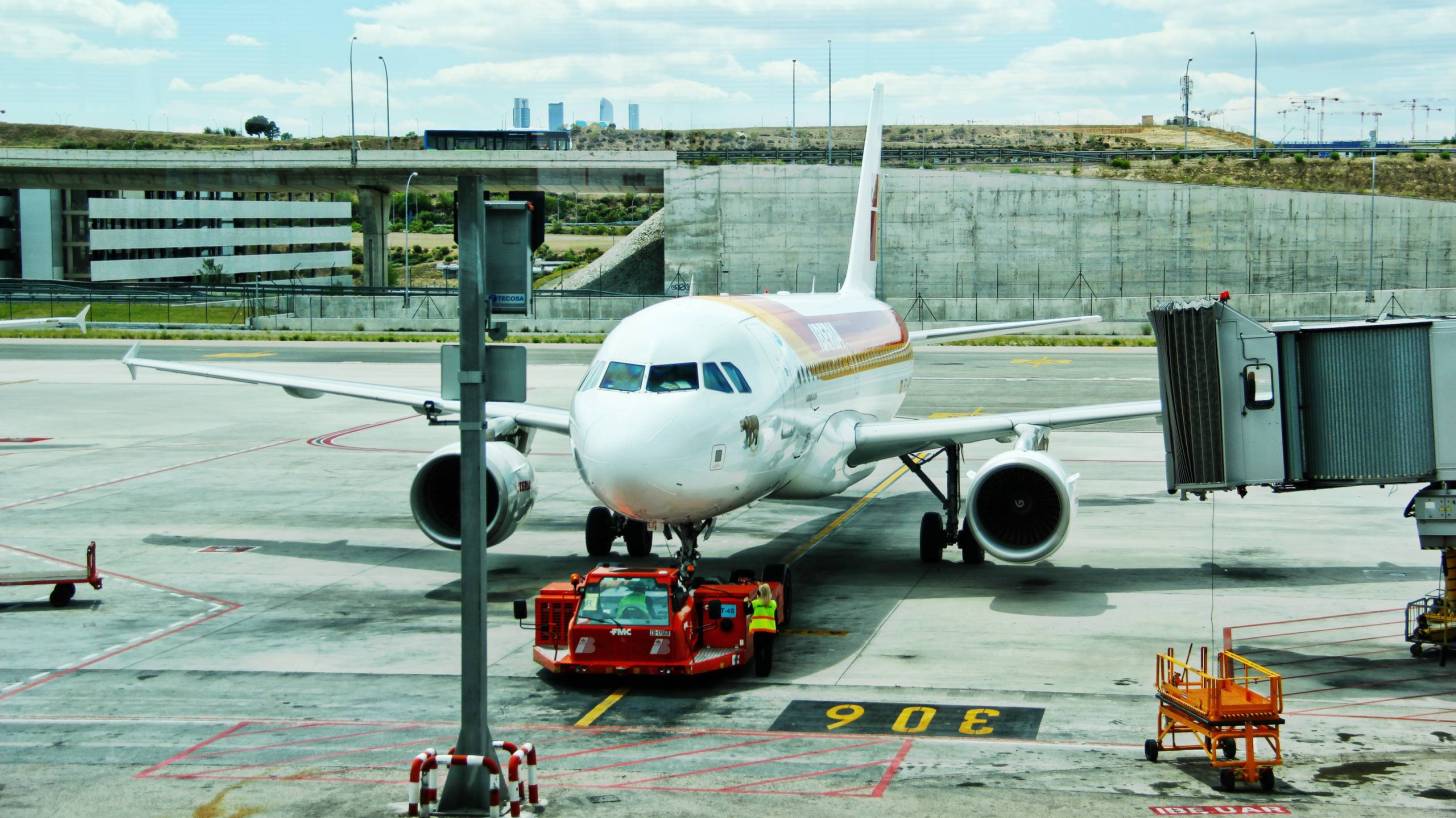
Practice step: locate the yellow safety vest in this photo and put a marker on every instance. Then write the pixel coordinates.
(764, 616)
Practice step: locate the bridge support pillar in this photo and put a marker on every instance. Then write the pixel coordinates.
(372, 205)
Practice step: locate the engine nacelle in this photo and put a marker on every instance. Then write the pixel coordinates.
(510, 491)
(1020, 505)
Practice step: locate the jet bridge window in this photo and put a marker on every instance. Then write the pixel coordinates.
(739, 382)
(713, 378)
(672, 378)
(1258, 386)
(623, 377)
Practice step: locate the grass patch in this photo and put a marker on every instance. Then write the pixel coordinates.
(141, 312)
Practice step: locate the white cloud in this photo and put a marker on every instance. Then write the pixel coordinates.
(243, 40)
(144, 18)
(179, 84)
(32, 41)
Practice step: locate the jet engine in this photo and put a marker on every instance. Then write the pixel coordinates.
(510, 491)
(1020, 505)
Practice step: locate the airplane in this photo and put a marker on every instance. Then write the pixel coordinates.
(77, 320)
(700, 405)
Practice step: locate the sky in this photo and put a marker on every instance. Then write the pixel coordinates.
(184, 65)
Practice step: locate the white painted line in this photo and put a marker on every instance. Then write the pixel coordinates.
(38, 675)
(85, 659)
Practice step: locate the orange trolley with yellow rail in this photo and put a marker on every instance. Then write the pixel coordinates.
(1235, 708)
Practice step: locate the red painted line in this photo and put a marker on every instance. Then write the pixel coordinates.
(228, 607)
(194, 748)
(1431, 713)
(889, 776)
(752, 762)
(23, 439)
(649, 759)
(415, 742)
(1319, 630)
(329, 440)
(822, 794)
(619, 746)
(1375, 683)
(1365, 670)
(1309, 659)
(151, 473)
(302, 741)
(813, 774)
(1368, 702)
(1316, 618)
(1376, 718)
(301, 779)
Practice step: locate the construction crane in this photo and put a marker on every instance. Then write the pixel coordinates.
(1322, 101)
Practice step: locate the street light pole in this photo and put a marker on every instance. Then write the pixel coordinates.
(388, 136)
(1370, 271)
(1256, 93)
(353, 134)
(1187, 92)
(831, 102)
(794, 106)
(407, 181)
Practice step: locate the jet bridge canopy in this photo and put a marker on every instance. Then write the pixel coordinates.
(1296, 407)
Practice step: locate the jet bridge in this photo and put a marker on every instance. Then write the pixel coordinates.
(1294, 406)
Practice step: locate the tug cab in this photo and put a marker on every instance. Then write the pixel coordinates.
(649, 621)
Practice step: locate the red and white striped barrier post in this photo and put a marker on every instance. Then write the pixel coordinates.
(505, 788)
(417, 768)
(527, 753)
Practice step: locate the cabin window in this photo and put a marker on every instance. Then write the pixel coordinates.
(672, 378)
(623, 377)
(739, 382)
(713, 378)
(624, 601)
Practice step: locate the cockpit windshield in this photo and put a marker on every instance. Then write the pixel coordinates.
(739, 382)
(673, 378)
(624, 601)
(623, 377)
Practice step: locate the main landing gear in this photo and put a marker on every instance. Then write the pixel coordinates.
(939, 531)
(603, 527)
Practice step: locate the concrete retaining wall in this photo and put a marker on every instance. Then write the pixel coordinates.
(946, 234)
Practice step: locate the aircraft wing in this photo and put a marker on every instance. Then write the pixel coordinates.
(953, 333)
(78, 320)
(307, 386)
(883, 439)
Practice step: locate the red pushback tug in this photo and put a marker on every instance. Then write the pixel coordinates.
(650, 621)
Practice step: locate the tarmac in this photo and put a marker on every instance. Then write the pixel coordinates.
(276, 638)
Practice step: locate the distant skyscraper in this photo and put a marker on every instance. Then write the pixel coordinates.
(632, 123)
(604, 112)
(521, 113)
(556, 112)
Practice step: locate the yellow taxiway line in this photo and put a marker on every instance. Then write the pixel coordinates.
(603, 706)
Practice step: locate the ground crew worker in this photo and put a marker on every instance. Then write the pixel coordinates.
(763, 625)
(634, 600)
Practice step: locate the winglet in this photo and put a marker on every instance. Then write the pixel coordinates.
(129, 357)
(859, 274)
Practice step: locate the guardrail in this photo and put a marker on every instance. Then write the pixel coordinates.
(1000, 154)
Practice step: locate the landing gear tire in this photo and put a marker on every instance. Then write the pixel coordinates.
(1226, 780)
(1150, 749)
(1416, 651)
(601, 531)
(1266, 779)
(1229, 748)
(780, 573)
(932, 538)
(972, 552)
(638, 538)
(62, 593)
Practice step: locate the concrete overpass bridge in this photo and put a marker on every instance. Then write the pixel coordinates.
(371, 174)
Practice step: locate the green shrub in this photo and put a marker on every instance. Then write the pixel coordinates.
(1445, 156)
(1177, 160)
(1334, 156)
(1120, 162)
(1419, 157)
(1264, 158)
(1299, 159)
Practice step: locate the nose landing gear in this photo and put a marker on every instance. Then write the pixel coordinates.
(941, 531)
(603, 527)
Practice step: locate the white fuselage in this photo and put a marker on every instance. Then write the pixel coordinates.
(683, 444)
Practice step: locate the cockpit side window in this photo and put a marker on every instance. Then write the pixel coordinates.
(593, 373)
(623, 377)
(713, 378)
(672, 378)
(739, 382)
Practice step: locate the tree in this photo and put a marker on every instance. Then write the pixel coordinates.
(259, 125)
(211, 272)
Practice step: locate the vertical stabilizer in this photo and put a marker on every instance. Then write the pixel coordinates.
(859, 276)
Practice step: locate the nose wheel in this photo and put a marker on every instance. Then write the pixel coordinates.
(603, 527)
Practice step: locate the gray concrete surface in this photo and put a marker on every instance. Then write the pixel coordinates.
(947, 234)
(299, 677)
